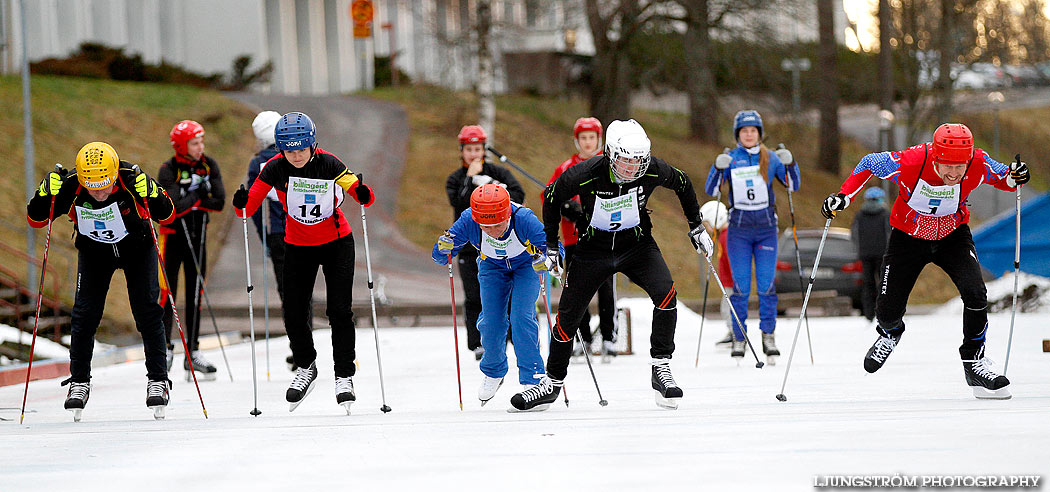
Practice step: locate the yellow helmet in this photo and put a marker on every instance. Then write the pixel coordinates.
(97, 165)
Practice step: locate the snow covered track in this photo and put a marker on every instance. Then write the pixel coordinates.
(915, 416)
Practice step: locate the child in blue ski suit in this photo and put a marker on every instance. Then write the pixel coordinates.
(749, 170)
(510, 239)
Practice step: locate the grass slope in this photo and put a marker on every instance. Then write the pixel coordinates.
(536, 134)
(135, 119)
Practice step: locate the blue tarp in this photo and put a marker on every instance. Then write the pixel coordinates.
(995, 239)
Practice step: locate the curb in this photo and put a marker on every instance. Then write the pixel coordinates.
(16, 373)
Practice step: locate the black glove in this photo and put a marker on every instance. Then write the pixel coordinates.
(834, 203)
(1018, 174)
(240, 198)
(572, 210)
(364, 193)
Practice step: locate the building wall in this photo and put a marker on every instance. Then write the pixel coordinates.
(309, 41)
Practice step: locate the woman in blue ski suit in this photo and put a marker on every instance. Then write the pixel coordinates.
(749, 170)
(510, 239)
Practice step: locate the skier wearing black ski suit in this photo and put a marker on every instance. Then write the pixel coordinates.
(599, 253)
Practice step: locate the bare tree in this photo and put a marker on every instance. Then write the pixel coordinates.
(613, 24)
(486, 68)
(700, 79)
(946, 52)
(827, 52)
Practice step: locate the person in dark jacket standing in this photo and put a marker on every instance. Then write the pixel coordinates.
(474, 172)
(871, 229)
(194, 183)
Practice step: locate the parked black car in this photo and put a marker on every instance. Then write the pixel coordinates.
(839, 268)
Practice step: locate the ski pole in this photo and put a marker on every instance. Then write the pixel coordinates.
(455, 329)
(266, 285)
(251, 311)
(736, 319)
(707, 283)
(798, 257)
(202, 286)
(1017, 267)
(502, 158)
(550, 326)
(39, 299)
(805, 303)
(372, 295)
(171, 297)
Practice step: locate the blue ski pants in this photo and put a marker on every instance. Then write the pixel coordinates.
(517, 286)
(760, 244)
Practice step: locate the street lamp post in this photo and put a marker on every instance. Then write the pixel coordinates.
(996, 98)
(886, 118)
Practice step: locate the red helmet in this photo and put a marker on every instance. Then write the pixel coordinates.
(587, 125)
(183, 132)
(952, 144)
(490, 204)
(472, 134)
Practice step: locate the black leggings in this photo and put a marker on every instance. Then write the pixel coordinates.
(905, 258)
(606, 307)
(336, 259)
(94, 273)
(179, 255)
(644, 265)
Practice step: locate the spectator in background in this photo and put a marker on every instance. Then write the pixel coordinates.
(871, 229)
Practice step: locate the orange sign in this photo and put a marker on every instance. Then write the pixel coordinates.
(361, 12)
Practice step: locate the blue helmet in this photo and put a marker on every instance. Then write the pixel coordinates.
(747, 117)
(294, 131)
(874, 193)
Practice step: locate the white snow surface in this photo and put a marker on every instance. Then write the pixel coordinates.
(45, 348)
(914, 417)
(1000, 294)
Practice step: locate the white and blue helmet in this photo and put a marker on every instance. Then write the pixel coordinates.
(294, 131)
(747, 117)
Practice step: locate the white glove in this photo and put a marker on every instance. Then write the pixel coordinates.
(702, 241)
(553, 262)
(785, 155)
(480, 180)
(195, 181)
(723, 160)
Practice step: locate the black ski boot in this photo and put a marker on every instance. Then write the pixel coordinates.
(537, 397)
(77, 397)
(986, 384)
(157, 397)
(344, 392)
(301, 386)
(880, 350)
(667, 391)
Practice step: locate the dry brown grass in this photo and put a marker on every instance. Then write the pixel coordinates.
(133, 117)
(536, 134)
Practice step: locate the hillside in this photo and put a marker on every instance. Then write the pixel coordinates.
(536, 134)
(133, 117)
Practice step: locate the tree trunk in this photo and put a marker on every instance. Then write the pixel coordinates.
(486, 99)
(610, 96)
(886, 89)
(828, 143)
(700, 80)
(944, 75)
